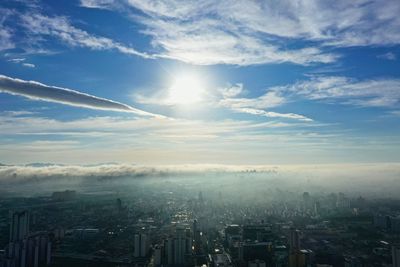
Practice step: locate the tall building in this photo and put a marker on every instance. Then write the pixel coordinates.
(295, 257)
(396, 256)
(294, 241)
(257, 263)
(158, 255)
(395, 224)
(196, 234)
(179, 247)
(19, 228)
(26, 249)
(141, 245)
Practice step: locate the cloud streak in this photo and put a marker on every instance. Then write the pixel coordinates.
(366, 93)
(61, 28)
(38, 91)
(271, 114)
(256, 106)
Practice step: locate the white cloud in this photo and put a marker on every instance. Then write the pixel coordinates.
(271, 114)
(293, 178)
(6, 33)
(61, 28)
(395, 113)
(22, 62)
(101, 4)
(272, 98)
(205, 41)
(39, 91)
(16, 60)
(388, 56)
(28, 138)
(256, 32)
(230, 98)
(28, 65)
(231, 91)
(268, 100)
(233, 32)
(377, 93)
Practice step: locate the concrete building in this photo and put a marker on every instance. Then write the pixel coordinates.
(396, 256)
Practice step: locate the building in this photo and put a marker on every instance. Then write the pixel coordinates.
(396, 256)
(158, 255)
(295, 257)
(179, 247)
(26, 249)
(221, 260)
(19, 228)
(294, 240)
(257, 263)
(141, 245)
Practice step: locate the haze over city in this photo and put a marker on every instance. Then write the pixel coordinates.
(199, 133)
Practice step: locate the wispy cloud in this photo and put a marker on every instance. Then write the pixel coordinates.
(28, 65)
(197, 33)
(271, 114)
(252, 32)
(6, 33)
(146, 140)
(256, 106)
(231, 98)
(241, 33)
(395, 113)
(22, 62)
(388, 56)
(61, 28)
(17, 60)
(101, 4)
(369, 93)
(39, 91)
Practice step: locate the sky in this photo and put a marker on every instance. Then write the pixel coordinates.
(200, 82)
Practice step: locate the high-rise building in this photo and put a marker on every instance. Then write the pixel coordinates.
(257, 263)
(295, 258)
(158, 255)
(141, 245)
(294, 241)
(396, 256)
(26, 249)
(19, 228)
(179, 247)
(395, 224)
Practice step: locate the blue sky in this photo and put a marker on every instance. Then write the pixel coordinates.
(172, 82)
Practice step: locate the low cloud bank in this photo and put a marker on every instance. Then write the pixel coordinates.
(352, 172)
(369, 180)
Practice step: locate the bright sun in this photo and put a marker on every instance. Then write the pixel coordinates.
(185, 90)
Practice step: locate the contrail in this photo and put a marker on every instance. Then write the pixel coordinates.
(38, 91)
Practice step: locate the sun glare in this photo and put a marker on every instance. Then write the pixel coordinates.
(186, 89)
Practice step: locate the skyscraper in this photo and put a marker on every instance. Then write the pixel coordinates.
(26, 249)
(294, 245)
(140, 245)
(396, 256)
(19, 228)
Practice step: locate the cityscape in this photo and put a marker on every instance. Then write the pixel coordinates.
(199, 133)
(176, 220)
